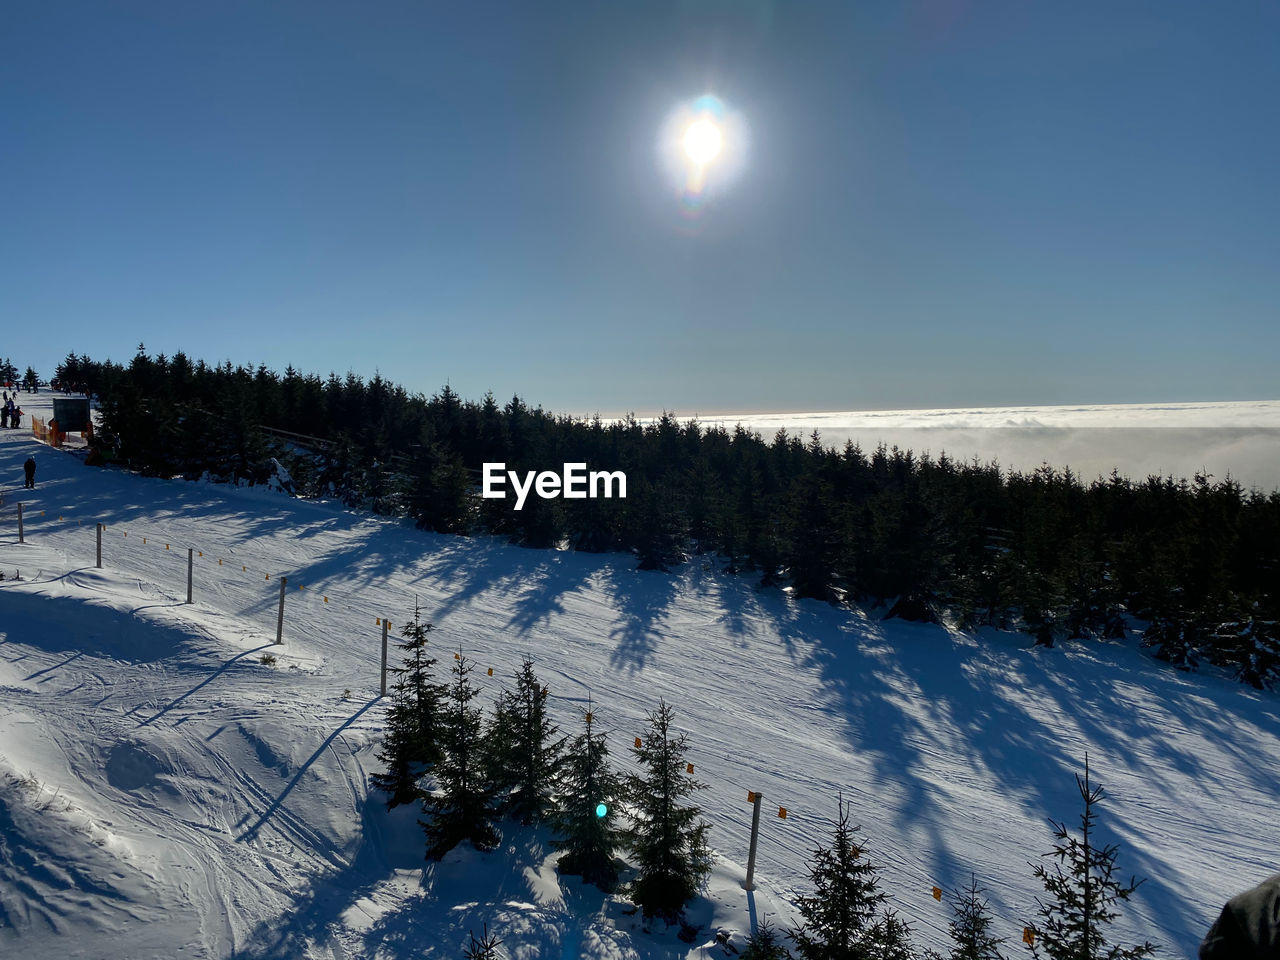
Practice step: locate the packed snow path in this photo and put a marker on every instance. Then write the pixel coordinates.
(165, 793)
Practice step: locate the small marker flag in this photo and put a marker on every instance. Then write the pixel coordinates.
(751, 796)
(491, 671)
(377, 621)
(201, 552)
(637, 743)
(457, 656)
(326, 599)
(1028, 936)
(782, 813)
(166, 546)
(688, 768)
(937, 893)
(588, 716)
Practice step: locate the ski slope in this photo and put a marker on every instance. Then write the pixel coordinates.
(164, 793)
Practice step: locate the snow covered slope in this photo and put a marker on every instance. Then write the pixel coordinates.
(163, 792)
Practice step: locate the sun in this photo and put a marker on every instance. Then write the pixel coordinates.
(703, 141)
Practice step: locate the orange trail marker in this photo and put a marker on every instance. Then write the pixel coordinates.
(751, 796)
(637, 743)
(326, 599)
(937, 893)
(589, 717)
(1028, 936)
(377, 621)
(201, 552)
(166, 546)
(144, 539)
(491, 671)
(782, 813)
(457, 656)
(243, 568)
(267, 576)
(688, 768)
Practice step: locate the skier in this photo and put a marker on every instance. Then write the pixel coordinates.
(30, 468)
(4, 416)
(15, 418)
(1248, 927)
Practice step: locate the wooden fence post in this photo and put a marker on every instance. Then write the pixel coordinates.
(384, 658)
(21, 536)
(99, 546)
(280, 616)
(755, 832)
(190, 564)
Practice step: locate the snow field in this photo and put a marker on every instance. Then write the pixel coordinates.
(212, 805)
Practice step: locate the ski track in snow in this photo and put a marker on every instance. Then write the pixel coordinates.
(164, 793)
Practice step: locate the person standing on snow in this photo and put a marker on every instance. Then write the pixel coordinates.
(30, 468)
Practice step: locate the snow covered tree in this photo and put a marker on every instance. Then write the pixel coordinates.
(1082, 891)
(410, 744)
(525, 753)
(840, 919)
(669, 841)
(970, 928)
(462, 806)
(585, 826)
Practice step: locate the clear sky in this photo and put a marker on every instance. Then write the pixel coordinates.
(918, 204)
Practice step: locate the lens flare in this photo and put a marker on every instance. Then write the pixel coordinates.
(703, 146)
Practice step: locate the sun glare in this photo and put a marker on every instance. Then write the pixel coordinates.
(703, 146)
(702, 141)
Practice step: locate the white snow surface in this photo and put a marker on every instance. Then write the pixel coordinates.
(164, 793)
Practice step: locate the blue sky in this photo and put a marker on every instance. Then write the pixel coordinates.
(932, 204)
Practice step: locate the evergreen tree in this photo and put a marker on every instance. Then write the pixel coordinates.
(585, 824)
(410, 745)
(31, 381)
(668, 840)
(1082, 891)
(970, 928)
(462, 806)
(525, 753)
(764, 944)
(483, 948)
(839, 920)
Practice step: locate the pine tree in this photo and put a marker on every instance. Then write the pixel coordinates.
(668, 840)
(585, 824)
(764, 944)
(1082, 891)
(839, 920)
(461, 809)
(411, 745)
(525, 752)
(483, 948)
(970, 928)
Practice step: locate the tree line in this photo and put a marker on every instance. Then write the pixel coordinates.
(469, 774)
(1194, 564)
